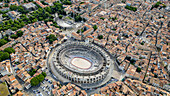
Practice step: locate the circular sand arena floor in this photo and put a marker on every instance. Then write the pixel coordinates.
(81, 63)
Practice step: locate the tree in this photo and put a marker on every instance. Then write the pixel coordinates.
(95, 27)
(142, 43)
(84, 19)
(157, 4)
(30, 0)
(14, 36)
(102, 18)
(60, 16)
(78, 31)
(22, 10)
(44, 3)
(14, 28)
(32, 72)
(9, 50)
(78, 8)
(4, 56)
(6, 5)
(48, 9)
(13, 7)
(155, 75)
(44, 74)
(40, 77)
(138, 69)
(78, 18)
(19, 33)
(100, 37)
(34, 81)
(4, 15)
(131, 8)
(67, 2)
(2, 42)
(7, 1)
(51, 38)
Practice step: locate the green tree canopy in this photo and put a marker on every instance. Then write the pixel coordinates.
(34, 81)
(60, 16)
(100, 37)
(44, 74)
(138, 69)
(131, 8)
(40, 77)
(67, 2)
(32, 72)
(14, 36)
(19, 33)
(4, 56)
(95, 27)
(51, 38)
(13, 7)
(2, 42)
(9, 50)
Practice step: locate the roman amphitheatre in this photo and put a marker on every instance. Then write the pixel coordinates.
(87, 65)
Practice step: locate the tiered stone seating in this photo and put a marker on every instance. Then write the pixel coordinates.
(66, 52)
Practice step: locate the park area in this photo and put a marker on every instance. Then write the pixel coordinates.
(3, 89)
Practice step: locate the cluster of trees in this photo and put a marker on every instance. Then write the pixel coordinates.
(5, 54)
(6, 1)
(142, 43)
(45, 13)
(19, 9)
(138, 69)
(81, 30)
(131, 8)
(102, 18)
(41, 13)
(82, 2)
(113, 18)
(100, 37)
(77, 17)
(95, 27)
(4, 40)
(157, 5)
(114, 29)
(6, 5)
(55, 24)
(60, 16)
(13, 25)
(44, 3)
(32, 72)
(3, 12)
(9, 50)
(66, 2)
(39, 78)
(132, 61)
(123, 1)
(18, 34)
(51, 38)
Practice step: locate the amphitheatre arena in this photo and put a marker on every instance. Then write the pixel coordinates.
(84, 64)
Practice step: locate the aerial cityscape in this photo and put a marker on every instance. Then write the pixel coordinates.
(84, 48)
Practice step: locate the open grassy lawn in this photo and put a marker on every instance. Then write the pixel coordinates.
(3, 89)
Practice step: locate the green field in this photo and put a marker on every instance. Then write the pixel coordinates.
(3, 89)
